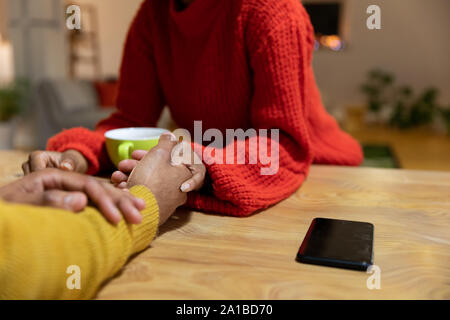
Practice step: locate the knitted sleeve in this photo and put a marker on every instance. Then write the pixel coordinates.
(139, 101)
(48, 253)
(285, 98)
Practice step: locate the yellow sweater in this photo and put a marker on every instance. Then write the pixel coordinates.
(45, 251)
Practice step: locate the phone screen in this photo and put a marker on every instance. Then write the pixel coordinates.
(338, 243)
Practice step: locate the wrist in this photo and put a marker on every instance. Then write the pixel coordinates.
(134, 181)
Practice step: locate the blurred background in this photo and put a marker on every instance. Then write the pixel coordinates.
(389, 88)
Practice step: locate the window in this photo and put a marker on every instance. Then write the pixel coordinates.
(325, 18)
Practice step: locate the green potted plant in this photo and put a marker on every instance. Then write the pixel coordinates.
(378, 90)
(445, 113)
(398, 106)
(412, 112)
(12, 100)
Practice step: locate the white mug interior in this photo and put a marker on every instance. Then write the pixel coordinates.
(135, 133)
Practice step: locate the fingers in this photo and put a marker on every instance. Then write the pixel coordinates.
(72, 160)
(182, 154)
(167, 141)
(130, 213)
(194, 183)
(138, 154)
(118, 177)
(126, 166)
(26, 168)
(37, 161)
(72, 201)
(122, 185)
(112, 202)
(139, 203)
(127, 204)
(96, 192)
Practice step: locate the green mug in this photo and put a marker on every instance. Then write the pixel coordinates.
(120, 143)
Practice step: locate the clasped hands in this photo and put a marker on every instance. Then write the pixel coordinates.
(69, 189)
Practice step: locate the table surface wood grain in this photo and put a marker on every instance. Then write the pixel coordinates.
(204, 256)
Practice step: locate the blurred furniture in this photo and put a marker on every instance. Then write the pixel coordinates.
(205, 256)
(107, 92)
(7, 130)
(63, 104)
(420, 149)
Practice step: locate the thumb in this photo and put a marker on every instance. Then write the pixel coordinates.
(72, 201)
(72, 161)
(194, 183)
(167, 141)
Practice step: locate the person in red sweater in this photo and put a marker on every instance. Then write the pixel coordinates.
(231, 64)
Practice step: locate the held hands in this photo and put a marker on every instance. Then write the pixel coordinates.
(72, 160)
(181, 154)
(72, 191)
(170, 170)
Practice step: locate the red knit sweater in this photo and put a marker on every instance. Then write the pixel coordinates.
(232, 64)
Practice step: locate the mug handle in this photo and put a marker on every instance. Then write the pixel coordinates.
(124, 150)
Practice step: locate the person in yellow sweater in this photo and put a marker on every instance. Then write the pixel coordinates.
(48, 252)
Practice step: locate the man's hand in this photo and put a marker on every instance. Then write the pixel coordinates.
(164, 179)
(71, 191)
(70, 160)
(182, 153)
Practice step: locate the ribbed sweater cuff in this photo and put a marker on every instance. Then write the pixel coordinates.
(89, 143)
(145, 232)
(93, 163)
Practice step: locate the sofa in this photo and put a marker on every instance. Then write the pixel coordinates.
(63, 103)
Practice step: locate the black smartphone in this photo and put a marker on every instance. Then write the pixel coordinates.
(338, 243)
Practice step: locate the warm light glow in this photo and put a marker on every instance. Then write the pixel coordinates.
(6, 62)
(332, 42)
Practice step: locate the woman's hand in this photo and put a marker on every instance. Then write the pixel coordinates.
(182, 153)
(71, 191)
(70, 160)
(120, 177)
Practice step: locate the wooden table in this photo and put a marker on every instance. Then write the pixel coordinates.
(201, 256)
